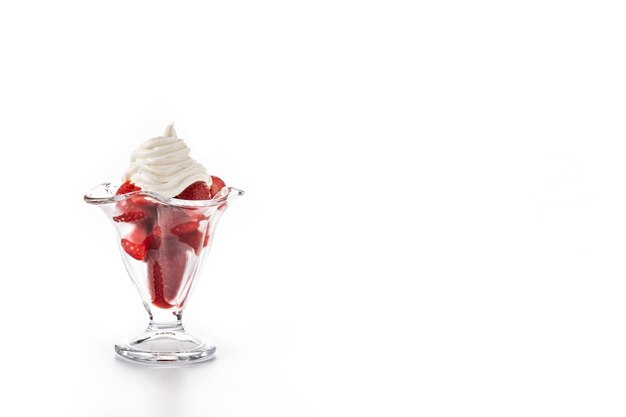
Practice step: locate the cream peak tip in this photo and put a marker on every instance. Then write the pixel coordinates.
(170, 131)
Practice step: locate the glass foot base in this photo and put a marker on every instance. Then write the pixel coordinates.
(165, 346)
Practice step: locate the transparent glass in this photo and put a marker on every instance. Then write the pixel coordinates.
(164, 243)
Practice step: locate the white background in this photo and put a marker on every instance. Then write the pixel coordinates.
(434, 222)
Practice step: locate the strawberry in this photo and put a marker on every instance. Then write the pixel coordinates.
(136, 250)
(199, 190)
(153, 241)
(127, 187)
(130, 216)
(173, 221)
(193, 239)
(138, 242)
(166, 270)
(189, 234)
(184, 228)
(135, 208)
(216, 185)
(170, 216)
(155, 283)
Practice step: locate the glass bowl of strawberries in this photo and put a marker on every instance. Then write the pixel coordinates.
(164, 242)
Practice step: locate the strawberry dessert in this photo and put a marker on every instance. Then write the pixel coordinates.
(165, 237)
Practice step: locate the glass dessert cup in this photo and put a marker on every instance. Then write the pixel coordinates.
(164, 243)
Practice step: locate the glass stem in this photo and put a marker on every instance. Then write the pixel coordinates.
(164, 320)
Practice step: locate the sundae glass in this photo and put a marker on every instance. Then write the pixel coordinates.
(165, 215)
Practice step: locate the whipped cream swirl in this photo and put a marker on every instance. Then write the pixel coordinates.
(163, 165)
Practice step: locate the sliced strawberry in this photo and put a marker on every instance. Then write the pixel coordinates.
(127, 187)
(155, 284)
(170, 217)
(184, 228)
(199, 190)
(138, 210)
(134, 203)
(153, 241)
(216, 185)
(130, 216)
(136, 250)
(166, 270)
(188, 232)
(193, 239)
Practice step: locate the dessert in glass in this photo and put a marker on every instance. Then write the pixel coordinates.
(165, 214)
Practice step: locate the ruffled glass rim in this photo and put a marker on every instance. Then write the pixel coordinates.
(105, 194)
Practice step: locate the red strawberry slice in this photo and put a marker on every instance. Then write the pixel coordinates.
(137, 243)
(184, 228)
(170, 217)
(189, 234)
(130, 216)
(193, 239)
(153, 241)
(127, 187)
(155, 285)
(136, 250)
(216, 185)
(166, 270)
(133, 203)
(138, 210)
(199, 190)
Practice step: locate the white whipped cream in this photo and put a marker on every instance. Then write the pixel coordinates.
(163, 165)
